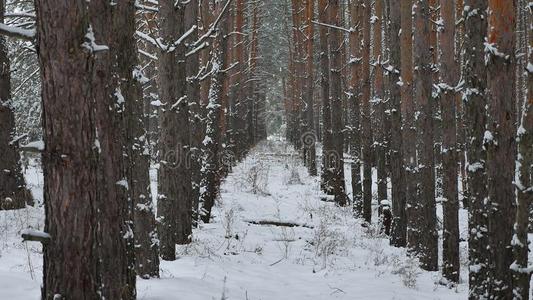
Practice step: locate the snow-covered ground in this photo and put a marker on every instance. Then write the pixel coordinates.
(331, 256)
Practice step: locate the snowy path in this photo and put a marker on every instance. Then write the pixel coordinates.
(233, 259)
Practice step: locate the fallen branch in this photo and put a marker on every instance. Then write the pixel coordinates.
(278, 223)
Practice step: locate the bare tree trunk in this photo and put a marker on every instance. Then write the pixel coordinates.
(195, 107)
(136, 143)
(500, 140)
(521, 274)
(323, 17)
(210, 170)
(335, 156)
(475, 117)
(365, 114)
(309, 144)
(174, 202)
(399, 223)
(449, 70)
(425, 174)
(354, 98)
(70, 193)
(13, 192)
(380, 139)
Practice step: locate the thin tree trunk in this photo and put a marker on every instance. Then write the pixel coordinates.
(399, 223)
(365, 114)
(309, 101)
(475, 117)
(323, 17)
(449, 70)
(354, 98)
(500, 140)
(425, 174)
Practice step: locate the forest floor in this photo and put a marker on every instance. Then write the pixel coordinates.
(329, 255)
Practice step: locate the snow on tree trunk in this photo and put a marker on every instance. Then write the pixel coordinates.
(449, 71)
(399, 223)
(500, 141)
(425, 174)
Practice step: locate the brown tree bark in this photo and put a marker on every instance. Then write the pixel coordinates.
(380, 139)
(425, 174)
(70, 156)
(323, 17)
(398, 182)
(174, 202)
(449, 71)
(210, 170)
(335, 156)
(365, 114)
(519, 268)
(310, 137)
(500, 140)
(474, 98)
(13, 192)
(137, 148)
(354, 103)
(195, 107)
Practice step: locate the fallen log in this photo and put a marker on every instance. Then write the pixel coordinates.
(279, 223)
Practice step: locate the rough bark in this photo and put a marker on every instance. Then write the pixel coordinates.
(323, 13)
(354, 102)
(210, 170)
(425, 174)
(399, 223)
(365, 113)
(309, 144)
(449, 79)
(174, 192)
(500, 140)
(13, 192)
(475, 117)
(524, 185)
(70, 155)
(137, 148)
(380, 139)
(195, 108)
(335, 156)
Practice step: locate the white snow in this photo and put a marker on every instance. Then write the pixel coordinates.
(336, 259)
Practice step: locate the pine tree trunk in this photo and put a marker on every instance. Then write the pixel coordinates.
(13, 192)
(379, 107)
(335, 157)
(425, 174)
(500, 140)
(365, 114)
(195, 107)
(449, 79)
(309, 144)
(354, 98)
(209, 186)
(174, 202)
(399, 223)
(521, 274)
(474, 98)
(70, 154)
(323, 17)
(137, 148)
